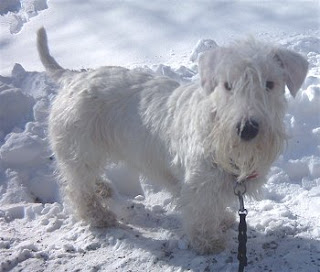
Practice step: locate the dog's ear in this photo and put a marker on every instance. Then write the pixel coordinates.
(207, 64)
(295, 67)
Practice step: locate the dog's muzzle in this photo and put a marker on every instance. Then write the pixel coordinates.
(249, 130)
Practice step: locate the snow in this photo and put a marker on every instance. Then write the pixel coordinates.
(37, 233)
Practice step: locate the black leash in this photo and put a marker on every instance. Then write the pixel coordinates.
(240, 190)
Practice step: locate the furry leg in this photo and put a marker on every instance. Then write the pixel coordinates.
(89, 197)
(205, 218)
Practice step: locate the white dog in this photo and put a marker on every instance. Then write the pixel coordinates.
(198, 138)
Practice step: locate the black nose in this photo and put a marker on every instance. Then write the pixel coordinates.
(248, 130)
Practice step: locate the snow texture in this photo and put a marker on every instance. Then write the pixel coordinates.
(36, 231)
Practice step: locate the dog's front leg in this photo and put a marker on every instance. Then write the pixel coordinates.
(205, 198)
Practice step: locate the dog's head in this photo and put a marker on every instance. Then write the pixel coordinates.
(293, 66)
(246, 84)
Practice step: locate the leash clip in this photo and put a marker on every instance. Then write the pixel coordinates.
(239, 190)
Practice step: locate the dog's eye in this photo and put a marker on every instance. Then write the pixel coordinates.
(227, 86)
(269, 85)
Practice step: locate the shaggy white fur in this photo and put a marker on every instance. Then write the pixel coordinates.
(200, 138)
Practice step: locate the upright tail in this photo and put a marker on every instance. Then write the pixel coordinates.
(47, 60)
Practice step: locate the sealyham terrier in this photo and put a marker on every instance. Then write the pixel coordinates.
(198, 138)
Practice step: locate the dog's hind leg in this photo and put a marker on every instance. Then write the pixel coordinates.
(81, 163)
(81, 153)
(88, 194)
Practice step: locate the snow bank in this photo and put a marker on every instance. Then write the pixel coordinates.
(19, 12)
(25, 162)
(15, 109)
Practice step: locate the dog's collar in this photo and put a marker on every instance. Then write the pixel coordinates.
(252, 176)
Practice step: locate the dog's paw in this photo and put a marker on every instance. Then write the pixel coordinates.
(102, 218)
(208, 235)
(205, 243)
(105, 219)
(97, 214)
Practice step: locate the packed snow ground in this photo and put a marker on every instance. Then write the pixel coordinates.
(36, 231)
